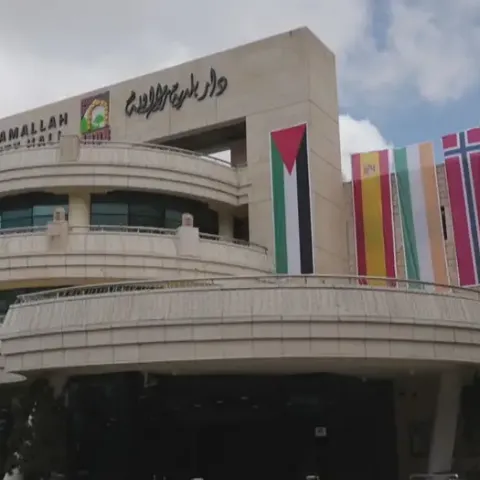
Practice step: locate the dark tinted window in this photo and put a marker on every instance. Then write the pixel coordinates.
(444, 222)
(30, 210)
(140, 209)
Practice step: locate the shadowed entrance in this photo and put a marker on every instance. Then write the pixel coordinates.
(232, 427)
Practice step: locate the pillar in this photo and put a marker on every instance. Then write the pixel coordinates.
(69, 150)
(444, 430)
(79, 210)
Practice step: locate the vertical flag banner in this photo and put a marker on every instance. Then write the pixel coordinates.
(373, 215)
(292, 209)
(462, 170)
(421, 220)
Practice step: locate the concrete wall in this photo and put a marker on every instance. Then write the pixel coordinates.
(66, 255)
(274, 83)
(117, 166)
(313, 324)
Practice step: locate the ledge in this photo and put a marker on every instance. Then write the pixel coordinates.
(228, 322)
(116, 165)
(64, 254)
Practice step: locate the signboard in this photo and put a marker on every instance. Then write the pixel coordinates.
(34, 134)
(175, 95)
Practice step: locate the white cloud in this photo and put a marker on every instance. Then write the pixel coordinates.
(29, 81)
(357, 136)
(55, 52)
(432, 46)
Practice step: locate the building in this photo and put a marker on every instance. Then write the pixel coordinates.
(283, 376)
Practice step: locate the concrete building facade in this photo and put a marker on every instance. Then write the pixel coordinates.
(124, 186)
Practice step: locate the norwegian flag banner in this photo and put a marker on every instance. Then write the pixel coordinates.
(462, 170)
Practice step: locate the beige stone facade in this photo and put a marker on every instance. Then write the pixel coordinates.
(271, 84)
(150, 140)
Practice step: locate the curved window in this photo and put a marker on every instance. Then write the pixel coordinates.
(140, 209)
(29, 210)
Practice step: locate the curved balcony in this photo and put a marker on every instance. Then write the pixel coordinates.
(61, 254)
(305, 323)
(118, 166)
(8, 377)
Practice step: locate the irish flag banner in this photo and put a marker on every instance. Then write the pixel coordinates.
(292, 210)
(421, 221)
(373, 215)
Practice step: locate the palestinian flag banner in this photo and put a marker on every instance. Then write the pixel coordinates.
(292, 206)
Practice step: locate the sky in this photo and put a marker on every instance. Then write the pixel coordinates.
(408, 70)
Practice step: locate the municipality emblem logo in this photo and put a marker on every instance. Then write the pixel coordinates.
(95, 117)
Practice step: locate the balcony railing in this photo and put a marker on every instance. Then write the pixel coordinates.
(236, 241)
(154, 146)
(128, 229)
(23, 230)
(258, 281)
(125, 145)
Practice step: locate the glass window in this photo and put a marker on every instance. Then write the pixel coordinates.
(444, 222)
(145, 221)
(17, 222)
(109, 208)
(173, 218)
(142, 209)
(41, 221)
(35, 209)
(105, 219)
(42, 214)
(44, 210)
(17, 213)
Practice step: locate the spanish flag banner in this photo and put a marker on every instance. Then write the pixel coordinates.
(373, 215)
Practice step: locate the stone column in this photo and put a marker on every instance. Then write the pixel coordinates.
(69, 149)
(79, 210)
(445, 425)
